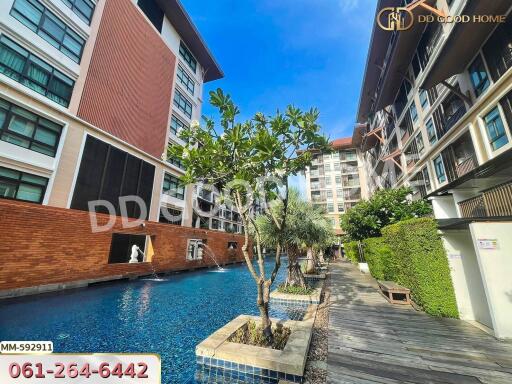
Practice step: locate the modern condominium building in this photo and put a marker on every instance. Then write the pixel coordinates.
(335, 180)
(435, 114)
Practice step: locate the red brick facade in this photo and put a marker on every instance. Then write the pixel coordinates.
(128, 87)
(45, 245)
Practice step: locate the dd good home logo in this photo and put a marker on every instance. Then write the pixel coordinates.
(395, 19)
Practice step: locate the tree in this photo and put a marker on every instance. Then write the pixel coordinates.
(250, 162)
(306, 229)
(385, 207)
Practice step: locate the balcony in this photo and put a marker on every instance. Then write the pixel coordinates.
(466, 165)
(454, 118)
(494, 202)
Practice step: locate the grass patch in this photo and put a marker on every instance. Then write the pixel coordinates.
(295, 290)
(251, 334)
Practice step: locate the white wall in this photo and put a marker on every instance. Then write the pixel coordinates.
(444, 207)
(496, 269)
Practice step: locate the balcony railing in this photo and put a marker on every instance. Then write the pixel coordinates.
(495, 202)
(453, 119)
(466, 165)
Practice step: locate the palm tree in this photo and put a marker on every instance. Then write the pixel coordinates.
(306, 229)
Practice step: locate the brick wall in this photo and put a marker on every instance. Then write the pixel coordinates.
(127, 91)
(45, 245)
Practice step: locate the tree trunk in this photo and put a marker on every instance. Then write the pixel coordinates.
(295, 277)
(311, 264)
(262, 302)
(321, 256)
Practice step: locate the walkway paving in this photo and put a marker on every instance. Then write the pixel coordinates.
(371, 341)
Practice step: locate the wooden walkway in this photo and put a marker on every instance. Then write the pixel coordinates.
(372, 341)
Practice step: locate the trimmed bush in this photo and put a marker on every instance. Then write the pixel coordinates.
(378, 254)
(418, 261)
(352, 251)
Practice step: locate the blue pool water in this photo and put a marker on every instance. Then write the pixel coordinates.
(167, 317)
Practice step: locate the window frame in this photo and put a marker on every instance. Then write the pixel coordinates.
(433, 130)
(71, 4)
(188, 57)
(180, 99)
(178, 192)
(22, 77)
(504, 134)
(436, 168)
(415, 116)
(185, 79)
(41, 31)
(424, 99)
(194, 254)
(19, 181)
(4, 129)
(484, 83)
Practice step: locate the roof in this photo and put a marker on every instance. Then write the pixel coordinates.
(345, 142)
(181, 21)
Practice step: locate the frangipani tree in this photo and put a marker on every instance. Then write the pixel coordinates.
(307, 229)
(250, 161)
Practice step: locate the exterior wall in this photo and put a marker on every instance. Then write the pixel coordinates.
(130, 99)
(496, 269)
(46, 245)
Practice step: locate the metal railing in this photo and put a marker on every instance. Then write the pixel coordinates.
(466, 165)
(494, 202)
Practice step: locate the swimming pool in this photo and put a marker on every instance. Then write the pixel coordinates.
(168, 317)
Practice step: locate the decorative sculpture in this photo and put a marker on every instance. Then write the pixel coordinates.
(135, 253)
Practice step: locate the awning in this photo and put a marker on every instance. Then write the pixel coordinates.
(464, 41)
(392, 155)
(181, 21)
(371, 138)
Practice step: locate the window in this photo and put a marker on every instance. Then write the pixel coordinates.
(170, 216)
(40, 20)
(329, 194)
(153, 12)
(498, 50)
(337, 166)
(177, 125)
(21, 127)
(440, 171)
(341, 207)
(84, 9)
(20, 65)
(186, 80)
(426, 178)
(338, 179)
(327, 167)
(215, 224)
(22, 186)
(172, 187)
(187, 56)
(414, 112)
(328, 181)
(479, 77)
(195, 249)
(431, 132)
(175, 160)
(419, 143)
(424, 99)
(339, 194)
(182, 103)
(326, 156)
(495, 129)
(330, 207)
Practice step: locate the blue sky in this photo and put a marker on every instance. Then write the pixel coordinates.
(279, 52)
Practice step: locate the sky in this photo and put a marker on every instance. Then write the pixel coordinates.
(309, 53)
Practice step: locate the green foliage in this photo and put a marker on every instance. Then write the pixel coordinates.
(295, 290)
(251, 334)
(352, 251)
(417, 260)
(385, 207)
(378, 255)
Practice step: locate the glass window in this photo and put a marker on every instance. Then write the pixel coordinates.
(496, 129)
(341, 207)
(177, 125)
(39, 19)
(330, 207)
(26, 129)
(328, 180)
(182, 103)
(337, 166)
(329, 194)
(185, 80)
(414, 112)
(426, 178)
(439, 167)
(419, 143)
(22, 186)
(327, 167)
(172, 187)
(338, 179)
(186, 55)
(84, 9)
(478, 75)
(18, 64)
(424, 99)
(174, 160)
(431, 132)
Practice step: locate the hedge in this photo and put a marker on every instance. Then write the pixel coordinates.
(352, 251)
(378, 255)
(418, 261)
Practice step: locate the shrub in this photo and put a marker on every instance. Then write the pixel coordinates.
(293, 290)
(352, 251)
(418, 261)
(378, 256)
(252, 334)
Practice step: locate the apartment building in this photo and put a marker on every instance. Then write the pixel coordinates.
(335, 180)
(92, 92)
(435, 114)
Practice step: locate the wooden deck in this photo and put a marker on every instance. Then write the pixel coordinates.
(372, 341)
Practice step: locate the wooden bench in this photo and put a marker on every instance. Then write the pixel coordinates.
(394, 293)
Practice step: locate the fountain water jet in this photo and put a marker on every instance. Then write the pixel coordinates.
(211, 254)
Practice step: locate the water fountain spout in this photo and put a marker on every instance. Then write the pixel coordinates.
(211, 254)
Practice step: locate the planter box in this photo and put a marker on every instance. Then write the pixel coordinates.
(288, 298)
(364, 268)
(270, 364)
(315, 276)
